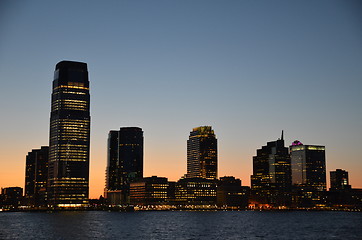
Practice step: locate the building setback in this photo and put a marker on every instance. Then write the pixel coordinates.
(202, 153)
(68, 175)
(124, 163)
(36, 177)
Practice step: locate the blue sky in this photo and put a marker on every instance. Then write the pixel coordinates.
(247, 68)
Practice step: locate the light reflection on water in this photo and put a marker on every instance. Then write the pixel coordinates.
(181, 225)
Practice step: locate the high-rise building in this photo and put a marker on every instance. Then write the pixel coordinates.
(68, 175)
(202, 153)
(308, 166)
(36, 176)
(112, 170)
(124, 164)
(271, 179)
(339, 180)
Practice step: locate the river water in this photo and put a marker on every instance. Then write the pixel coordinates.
(181, 225)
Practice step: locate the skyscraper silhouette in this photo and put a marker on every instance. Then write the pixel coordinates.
(68, 176)
(202, 153)
(36, 176)
(271, 179)
(125, 163)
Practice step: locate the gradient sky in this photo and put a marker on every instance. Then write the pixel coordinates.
(247, 68)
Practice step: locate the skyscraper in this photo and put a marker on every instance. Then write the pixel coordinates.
(113, 166)
(68, 176)
(36, 176)
(202, 153)
(339, 180)
(124, 164)
(308, 166)
(271, 179)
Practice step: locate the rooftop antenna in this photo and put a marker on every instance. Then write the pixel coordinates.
(282, 135)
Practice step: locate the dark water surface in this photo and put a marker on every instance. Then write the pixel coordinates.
(181, 225)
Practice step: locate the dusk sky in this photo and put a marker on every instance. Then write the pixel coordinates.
(250, 69)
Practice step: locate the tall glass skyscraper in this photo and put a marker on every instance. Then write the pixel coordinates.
(68, 176)
(308, 166)
(202, 153)
(124, 164)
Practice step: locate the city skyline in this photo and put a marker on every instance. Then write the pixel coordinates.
(248, 70)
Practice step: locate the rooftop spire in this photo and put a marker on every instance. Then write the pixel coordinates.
(282, 135)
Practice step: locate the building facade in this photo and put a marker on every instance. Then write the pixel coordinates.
(271, 179)
(150, 191)
(68, 174)
(36, 177)
(339, 180)
(308, 164)
(231, 195)
(195, 193)
(202, 153)
(124, 163)
(341, 195)
(11, 197)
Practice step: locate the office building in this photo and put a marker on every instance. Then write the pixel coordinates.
(271, 179)
(11, 197)
(68, 175)
(308, 164)
(202, 153)
(195, 193)
(341, 195)
(112, 170)
(231, 195)
(149, 191)
(36, 177)
(339, 180)
(124, 163)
